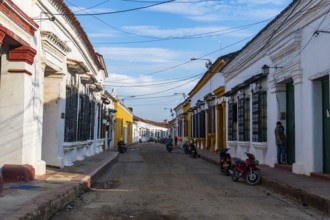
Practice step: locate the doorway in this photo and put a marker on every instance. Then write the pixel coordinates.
(326, 125)
(290, 124)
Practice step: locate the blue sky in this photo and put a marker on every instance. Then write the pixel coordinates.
(148, 44)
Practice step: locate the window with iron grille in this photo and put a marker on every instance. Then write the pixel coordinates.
(196, 125)
(99, 121)
(192, 125)
(92, 118)
(71, 119)
(103, 126)
(232, 122)
(185, 127)
(180, 127)
(244, 119)
(202, 124)
(211, 119)
(259, 116)
(84, 123)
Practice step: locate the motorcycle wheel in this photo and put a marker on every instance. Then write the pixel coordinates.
(226, 171)
(253, 177)
(235, 176)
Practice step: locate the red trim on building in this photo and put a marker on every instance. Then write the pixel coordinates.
(13, 36)
(2, 36)
(22, 54)
(20, 71)
(18, 16)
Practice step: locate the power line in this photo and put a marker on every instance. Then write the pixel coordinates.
(168, 82)
(173, 79)
(94, 6)
(181, 64)
(193, 36)
(111, 26)
(123, 11)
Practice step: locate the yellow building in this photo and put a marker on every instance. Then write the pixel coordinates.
(187, 121)
(123, 123)
(207, 109)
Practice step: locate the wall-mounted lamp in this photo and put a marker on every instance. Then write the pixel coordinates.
(199, 102)
(265, 69)
(208, 63)
(210, 97)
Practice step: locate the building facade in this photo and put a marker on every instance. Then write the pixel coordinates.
(51, 86)
(283, 75)
(206, 114)
(144, 130)
(123, 123)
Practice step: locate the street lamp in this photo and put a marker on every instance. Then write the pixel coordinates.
(317, 32)
(132, 96)
(182, 93)
(172, 111)
(208, 63)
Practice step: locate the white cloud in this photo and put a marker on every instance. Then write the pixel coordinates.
(142, 55)
(224, 10)
(186, 32)
(159, 97)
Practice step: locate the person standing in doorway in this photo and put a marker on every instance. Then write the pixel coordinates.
(175, 140)
(280, 142)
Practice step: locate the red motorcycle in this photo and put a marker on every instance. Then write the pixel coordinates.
(246, 169)
(225, 161)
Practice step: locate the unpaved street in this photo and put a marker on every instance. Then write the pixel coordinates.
(148, 183)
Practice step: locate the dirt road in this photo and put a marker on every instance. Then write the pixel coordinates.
(148, 183)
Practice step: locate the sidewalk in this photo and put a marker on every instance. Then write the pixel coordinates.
(44, 196)
(309, 191)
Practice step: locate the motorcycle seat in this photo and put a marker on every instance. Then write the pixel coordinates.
(238, 161)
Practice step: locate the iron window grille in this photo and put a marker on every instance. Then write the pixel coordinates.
(185, 127)
(259, 116)
(232, 122)
(211, 119)
(244, 119)
(71, 119)
(84, 119)
(202, 124)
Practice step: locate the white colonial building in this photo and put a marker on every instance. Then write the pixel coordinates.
(51, 86)
(283, 75)
(143, 130)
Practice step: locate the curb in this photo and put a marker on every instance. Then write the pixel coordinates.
(45, 206)
(301, 196)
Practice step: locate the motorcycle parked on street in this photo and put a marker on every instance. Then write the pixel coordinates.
(169, 147)
(193, 149)
(121, 146)
(246, 169)
(225, 161)
(186, 148)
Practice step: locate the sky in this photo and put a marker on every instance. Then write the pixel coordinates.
(148, 44)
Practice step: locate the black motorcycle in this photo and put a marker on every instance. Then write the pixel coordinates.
(193, 150)
(169, 147)
(186, 148)
(225, 161)
(121, 147)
